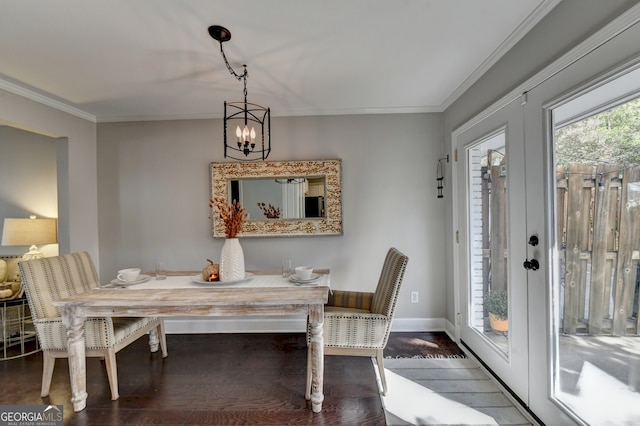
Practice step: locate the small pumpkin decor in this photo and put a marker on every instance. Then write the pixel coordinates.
(497, 304)
(211, 272)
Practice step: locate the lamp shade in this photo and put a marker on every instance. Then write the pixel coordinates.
(25, 232)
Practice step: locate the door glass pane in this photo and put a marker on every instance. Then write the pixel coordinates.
(487, 204)
(597, 159)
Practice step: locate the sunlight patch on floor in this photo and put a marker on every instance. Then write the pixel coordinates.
(419, 405)
(603, 399)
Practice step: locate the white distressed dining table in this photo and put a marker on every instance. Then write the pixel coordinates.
(179, 295)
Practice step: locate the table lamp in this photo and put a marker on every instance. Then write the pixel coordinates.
(29, 232)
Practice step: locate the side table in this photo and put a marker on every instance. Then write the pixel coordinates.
(17, 333)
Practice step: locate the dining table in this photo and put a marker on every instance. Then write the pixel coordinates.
(186, 294)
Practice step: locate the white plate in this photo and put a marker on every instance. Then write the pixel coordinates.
(298, 280)
(197, 278)
(141, 279)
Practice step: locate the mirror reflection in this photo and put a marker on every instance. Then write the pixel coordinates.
(296, 197)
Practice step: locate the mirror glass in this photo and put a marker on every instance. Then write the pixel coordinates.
(285, 198)
(295, 197)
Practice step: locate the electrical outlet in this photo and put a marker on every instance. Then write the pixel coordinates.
(414, 297)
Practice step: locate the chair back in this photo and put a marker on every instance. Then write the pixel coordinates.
(54, 278)
(386, 294)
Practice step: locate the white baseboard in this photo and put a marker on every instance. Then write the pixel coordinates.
(194, 325)
(418, 324)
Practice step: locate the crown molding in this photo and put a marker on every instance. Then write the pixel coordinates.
(285, 113)
(45, 100)
(61, 106)
(532, 20)
(166, 117)
(606, 33)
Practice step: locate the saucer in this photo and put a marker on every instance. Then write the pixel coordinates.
(294, 278)
(141, 279)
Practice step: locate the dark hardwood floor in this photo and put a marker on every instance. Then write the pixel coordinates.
(216, 379)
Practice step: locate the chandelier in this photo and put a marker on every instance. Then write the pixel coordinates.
(252, 122)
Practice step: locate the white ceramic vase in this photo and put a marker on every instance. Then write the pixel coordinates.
(231, 260)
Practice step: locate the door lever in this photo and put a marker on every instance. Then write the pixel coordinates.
(531, 265)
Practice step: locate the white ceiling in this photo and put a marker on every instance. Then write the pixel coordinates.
(120, 60)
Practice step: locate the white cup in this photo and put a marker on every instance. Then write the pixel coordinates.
(129, 274)
(304, 272)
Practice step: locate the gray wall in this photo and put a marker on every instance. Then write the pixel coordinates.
(154, 187)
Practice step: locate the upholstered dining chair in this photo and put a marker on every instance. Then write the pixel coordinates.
(54, 278)
(359, 323)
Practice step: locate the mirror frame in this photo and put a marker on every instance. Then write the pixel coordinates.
(223, 173)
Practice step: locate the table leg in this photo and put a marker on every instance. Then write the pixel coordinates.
(74, 323)
(316, 321)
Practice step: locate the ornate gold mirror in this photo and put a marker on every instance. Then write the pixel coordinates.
(282, 198)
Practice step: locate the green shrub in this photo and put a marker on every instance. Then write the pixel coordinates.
(497, 303)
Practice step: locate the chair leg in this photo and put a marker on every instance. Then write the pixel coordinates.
(157, 337)
(307, 393)
(48, 362)
(163, 339)
(153, 339)
(380, 359)
(112, 372)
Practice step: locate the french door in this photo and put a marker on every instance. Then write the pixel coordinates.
(492, 218)
(518, 233)
(582, 332)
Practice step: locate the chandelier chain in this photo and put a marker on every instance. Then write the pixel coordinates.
(239, 77)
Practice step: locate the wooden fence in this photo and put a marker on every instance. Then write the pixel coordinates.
(598, 221)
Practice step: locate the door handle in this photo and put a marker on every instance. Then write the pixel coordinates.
(531, 265)
(533, 240)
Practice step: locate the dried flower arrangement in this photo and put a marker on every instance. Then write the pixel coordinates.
(233, 215)
(271, 212)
